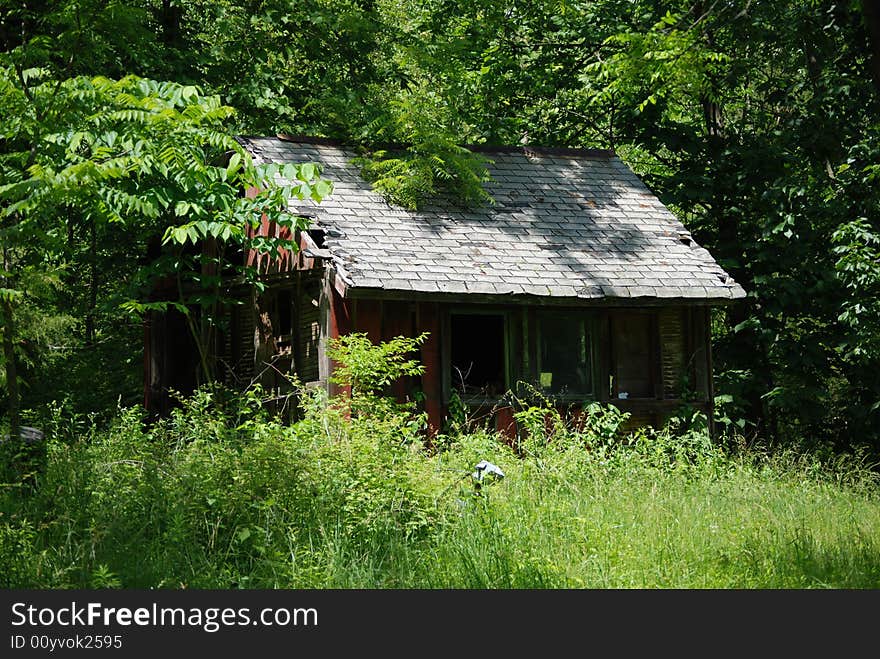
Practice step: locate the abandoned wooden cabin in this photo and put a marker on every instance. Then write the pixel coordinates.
(577, 280)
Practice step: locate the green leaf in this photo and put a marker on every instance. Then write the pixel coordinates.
(306, 172)
(234, 164)
(321, 189)
(9, 294)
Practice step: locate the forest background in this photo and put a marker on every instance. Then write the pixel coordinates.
(756, 123)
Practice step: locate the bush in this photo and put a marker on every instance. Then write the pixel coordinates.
(19, 564)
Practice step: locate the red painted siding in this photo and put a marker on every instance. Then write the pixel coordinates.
(368, 319)
(265, 263)
(432, 378)
(397, 321)
(339, 324)
(506, 424)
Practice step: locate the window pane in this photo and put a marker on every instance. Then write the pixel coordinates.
(477, 358)
(564, 355)
(632, 337)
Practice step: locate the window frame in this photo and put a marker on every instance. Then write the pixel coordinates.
(656, 385)
(446, 360)
(591, 320)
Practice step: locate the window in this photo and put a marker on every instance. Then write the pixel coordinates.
(633, 355)
(565, 361)
(478, 349)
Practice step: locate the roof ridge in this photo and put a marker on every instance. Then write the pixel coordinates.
(529, 149)
(525, 149)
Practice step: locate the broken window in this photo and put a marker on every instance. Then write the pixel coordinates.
(565, 354)
(478, 354)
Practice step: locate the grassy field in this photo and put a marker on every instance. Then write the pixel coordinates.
(222, 498)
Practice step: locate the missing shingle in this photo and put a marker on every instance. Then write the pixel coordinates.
(318, 237)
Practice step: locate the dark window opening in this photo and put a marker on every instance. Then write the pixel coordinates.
(478, 354)
(633, 355)
(564, 354)
(284, 308)
(276, 321)
(318, 236)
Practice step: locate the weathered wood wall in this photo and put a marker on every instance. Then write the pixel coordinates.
(659, 354)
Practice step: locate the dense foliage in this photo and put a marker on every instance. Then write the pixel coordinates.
(757, 123)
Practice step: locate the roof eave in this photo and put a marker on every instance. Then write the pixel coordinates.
(361, 292)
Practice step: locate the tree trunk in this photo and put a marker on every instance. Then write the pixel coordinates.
(11, 369)
(93, 284)
(170, 18)
(871, 14)
(9, 358)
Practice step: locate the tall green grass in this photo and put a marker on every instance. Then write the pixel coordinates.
(738, 528)
(218, 496)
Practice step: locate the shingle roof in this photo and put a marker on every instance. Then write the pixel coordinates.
(566, 224)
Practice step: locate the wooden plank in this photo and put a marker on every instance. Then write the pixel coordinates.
(148, 360)
(428, 320)
(368, 318)
(265, 341)
(531, 300)
(505, 424)
(247, 331)
(339, 324)
(671, 330)
(296, 339)
(710, 402)
(397, 321)
(525, 345)
(604, 356)
(445, 353)
(286, 259)
(308, 329)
